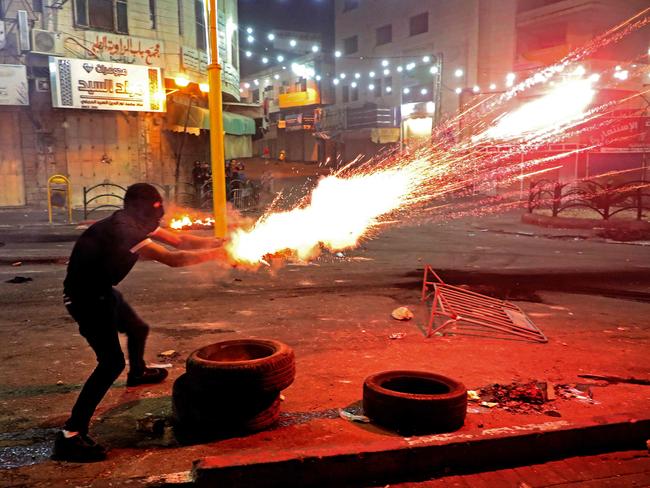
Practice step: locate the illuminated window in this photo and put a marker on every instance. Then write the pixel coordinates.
(419, 24)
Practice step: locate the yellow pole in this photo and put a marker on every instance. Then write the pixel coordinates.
(216, 127)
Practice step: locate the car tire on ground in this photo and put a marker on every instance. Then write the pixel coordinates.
(243, 365)
(213, 412)
(415, 402)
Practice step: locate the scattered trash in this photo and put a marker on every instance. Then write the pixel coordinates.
(402, 313)
(17, 263)
(582, 393)
(489, 404)
(397, 335)
(160, 365)
(647, 444)
(149, 424)
(531, 397)
(345, 415)
(59, 383)
(340, 255)
(170, 354)
(282, 397)
(19, 279)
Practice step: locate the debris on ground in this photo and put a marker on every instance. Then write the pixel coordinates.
(397, 335)
(170, 354)
(345, 415)
(17, 263)
(616, 379)
(150, 424)
(160, 365)
(402, 313)
(581, 393)
(19, 279)
(531, 397)
(473, 396)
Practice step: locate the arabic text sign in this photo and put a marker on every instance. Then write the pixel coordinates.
(78, 83)
(13, 85)
(116, 48)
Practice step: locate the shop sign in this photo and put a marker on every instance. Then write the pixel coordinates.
(620, 132)
(13, 85)
(194, 60)
(115, 48)
(85, 84)
(293, 122)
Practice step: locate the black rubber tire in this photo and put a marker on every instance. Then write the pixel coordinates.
(209, 414)
(243, 365)
(415, 402)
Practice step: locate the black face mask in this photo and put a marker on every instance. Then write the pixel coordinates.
(147, 214)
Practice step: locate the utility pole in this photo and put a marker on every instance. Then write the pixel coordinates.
(217, 152)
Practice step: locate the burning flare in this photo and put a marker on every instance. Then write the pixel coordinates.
(565, 104)
(341, 211)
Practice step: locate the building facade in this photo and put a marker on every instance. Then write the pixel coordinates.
(401, 67)
(290, 95)
(106, 92)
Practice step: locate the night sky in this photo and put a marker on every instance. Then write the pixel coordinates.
(266, 15)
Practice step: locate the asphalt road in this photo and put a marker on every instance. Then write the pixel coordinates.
(590, 296)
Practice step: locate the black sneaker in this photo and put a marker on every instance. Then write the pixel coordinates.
(147, 377)
(78, 449)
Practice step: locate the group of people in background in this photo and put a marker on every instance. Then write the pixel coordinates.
(202, 178)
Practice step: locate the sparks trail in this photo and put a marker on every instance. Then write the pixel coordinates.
(359, 198)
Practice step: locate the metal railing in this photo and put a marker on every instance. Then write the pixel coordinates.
(110, 191)
(606, 199)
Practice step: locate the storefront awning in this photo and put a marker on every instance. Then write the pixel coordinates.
(199, 118)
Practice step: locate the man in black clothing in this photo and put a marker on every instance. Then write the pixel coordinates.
(101, 258)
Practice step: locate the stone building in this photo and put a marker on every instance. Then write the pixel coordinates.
(106, 91)
(403, 66)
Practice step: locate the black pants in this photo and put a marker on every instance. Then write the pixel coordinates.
(100, 318)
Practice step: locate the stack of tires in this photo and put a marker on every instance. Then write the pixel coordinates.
(232, 387)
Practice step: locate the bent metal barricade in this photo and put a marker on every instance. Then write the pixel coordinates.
(98, 85)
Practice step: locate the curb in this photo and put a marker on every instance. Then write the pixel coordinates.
(417, 458)
(585, 224)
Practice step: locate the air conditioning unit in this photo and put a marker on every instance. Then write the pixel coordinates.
(46, 42)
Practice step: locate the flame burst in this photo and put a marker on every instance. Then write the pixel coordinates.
(350, 204)
(186, 222)
(341, 211)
